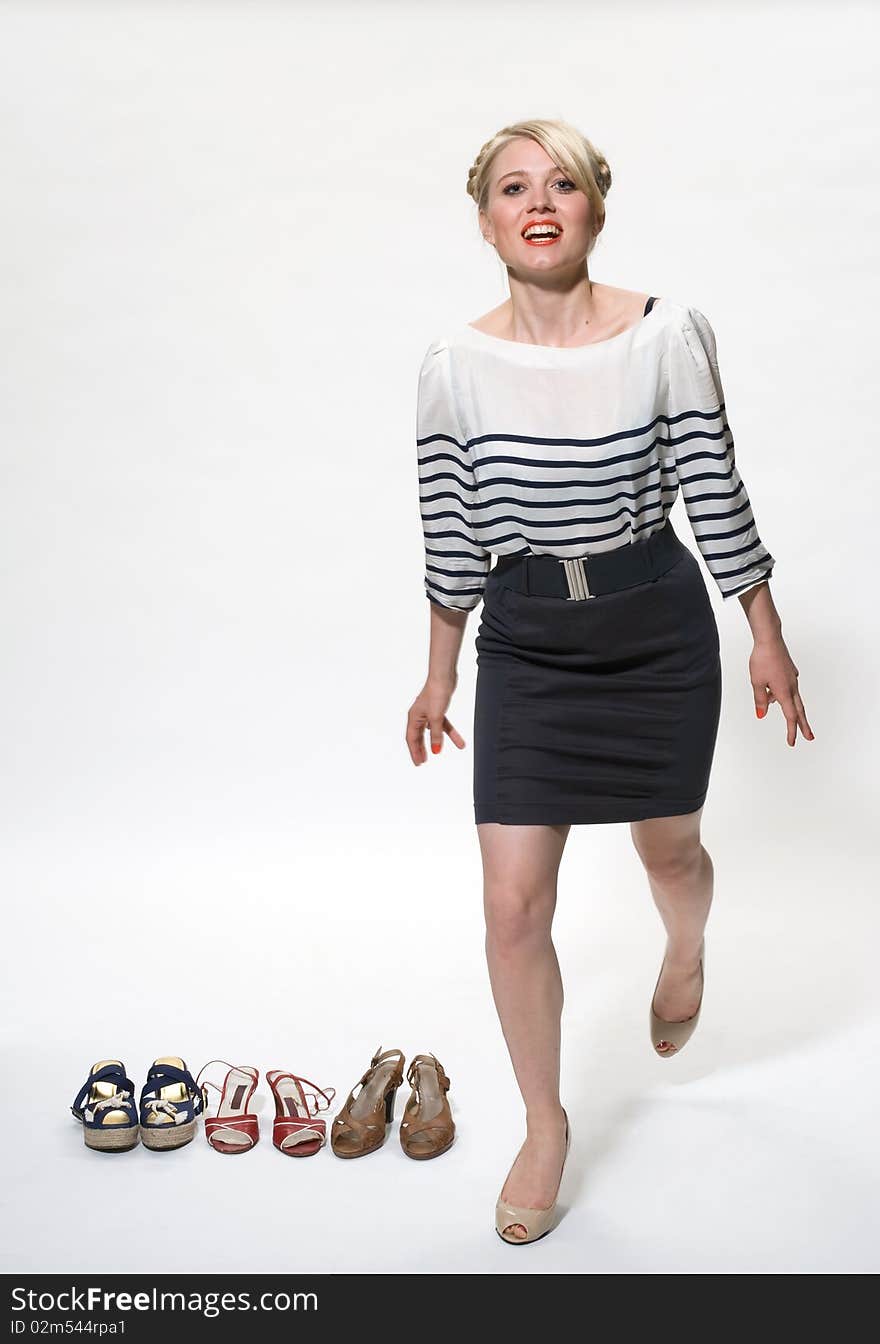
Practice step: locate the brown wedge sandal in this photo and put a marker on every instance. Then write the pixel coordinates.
(360, 1127)
(427, 1128)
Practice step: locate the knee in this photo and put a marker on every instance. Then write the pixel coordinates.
(515, 915)
(673, 862)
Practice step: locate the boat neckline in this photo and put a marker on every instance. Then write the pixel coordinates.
(564, 349)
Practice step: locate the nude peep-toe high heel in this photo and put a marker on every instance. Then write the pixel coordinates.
(537, 1222)
(676, 1034)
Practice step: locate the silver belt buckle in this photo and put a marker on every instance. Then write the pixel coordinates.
(576, 578)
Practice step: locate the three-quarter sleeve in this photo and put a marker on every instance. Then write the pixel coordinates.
(715, 496)
(456, 565)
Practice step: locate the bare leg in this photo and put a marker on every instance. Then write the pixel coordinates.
(520, 869)
(680, 875)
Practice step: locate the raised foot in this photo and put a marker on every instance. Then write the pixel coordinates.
(678, 996)
(678, 992)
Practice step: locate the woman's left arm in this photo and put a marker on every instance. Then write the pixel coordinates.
(720, 512)
(772, 672)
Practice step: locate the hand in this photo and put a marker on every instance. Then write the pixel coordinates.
(428, 710)
(774, 678)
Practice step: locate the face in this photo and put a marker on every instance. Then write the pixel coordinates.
(526, 189)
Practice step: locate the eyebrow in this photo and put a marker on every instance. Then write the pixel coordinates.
(521, 172)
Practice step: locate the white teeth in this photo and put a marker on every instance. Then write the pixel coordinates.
(543, 231)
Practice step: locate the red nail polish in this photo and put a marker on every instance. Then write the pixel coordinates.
(435, 747)
(760, 712)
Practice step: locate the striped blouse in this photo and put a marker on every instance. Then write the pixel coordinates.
(576, 450)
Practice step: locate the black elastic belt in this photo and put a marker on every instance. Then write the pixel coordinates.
(592, 575)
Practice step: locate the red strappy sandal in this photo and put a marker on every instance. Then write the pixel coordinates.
(295, 1131)
(234, 1129)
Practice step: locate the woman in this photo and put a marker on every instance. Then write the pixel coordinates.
(554, 433)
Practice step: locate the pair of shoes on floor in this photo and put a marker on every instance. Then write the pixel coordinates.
(296, 1130)
(535, 1222)
(427, 1128)
(675, 1035)
(112, 1122)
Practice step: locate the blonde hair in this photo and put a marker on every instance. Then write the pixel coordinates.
(575, 155)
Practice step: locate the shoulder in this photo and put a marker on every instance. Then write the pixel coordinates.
(435, 355)
(681, 316)
(690, 331)
(437, 346)
(697, 321)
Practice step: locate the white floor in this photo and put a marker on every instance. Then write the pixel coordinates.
(755, 1151)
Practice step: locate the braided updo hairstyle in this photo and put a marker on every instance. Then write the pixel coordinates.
(576, 156)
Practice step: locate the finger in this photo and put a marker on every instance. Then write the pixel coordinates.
(802, 718)
(454, 734)
(415, 738)
(788, 709)
(762, 699)
(436, 726)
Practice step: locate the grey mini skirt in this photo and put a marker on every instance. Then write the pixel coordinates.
(598, 710)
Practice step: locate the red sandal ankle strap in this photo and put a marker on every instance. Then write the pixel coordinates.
(305, 1087)
(239, 1068)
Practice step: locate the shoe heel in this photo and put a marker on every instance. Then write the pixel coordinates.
(390, 1099)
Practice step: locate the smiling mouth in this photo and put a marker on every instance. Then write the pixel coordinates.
(541, 235)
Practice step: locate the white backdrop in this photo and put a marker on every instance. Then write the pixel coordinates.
(229, 233)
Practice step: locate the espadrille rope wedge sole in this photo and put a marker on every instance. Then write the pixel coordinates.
(106, 1108)
(171, 1102)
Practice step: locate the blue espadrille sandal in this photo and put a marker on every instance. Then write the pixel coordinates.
(106, 1107)
(171, 1102)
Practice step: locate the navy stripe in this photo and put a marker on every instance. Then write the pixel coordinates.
(742, 588)
(543, 442)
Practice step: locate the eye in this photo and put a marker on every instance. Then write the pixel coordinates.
(509, 189)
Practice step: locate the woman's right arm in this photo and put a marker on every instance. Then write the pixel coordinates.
(456, 564)
(428, 710)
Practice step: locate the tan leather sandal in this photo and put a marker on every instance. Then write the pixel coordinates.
(676, 1034)
(360, 1127)
(537, 1222)
(427, 1128)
